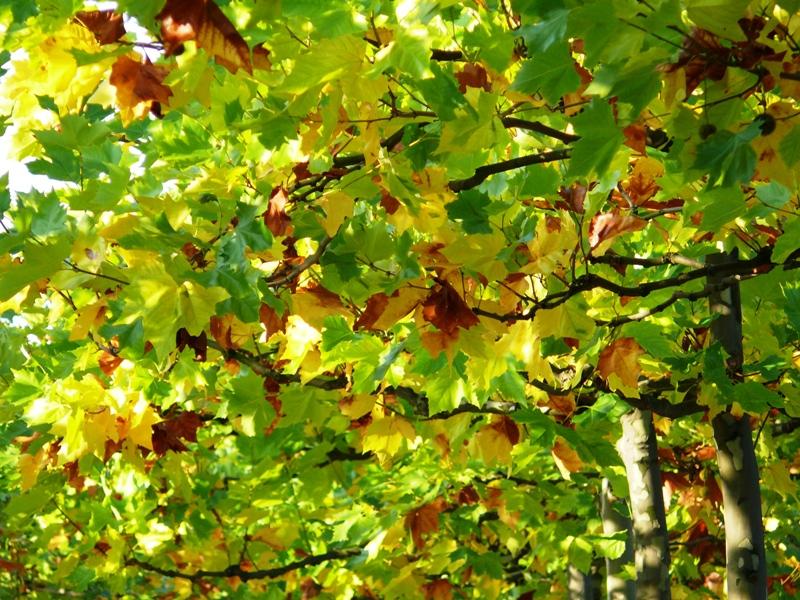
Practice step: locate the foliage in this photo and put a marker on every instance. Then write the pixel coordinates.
(347, 298)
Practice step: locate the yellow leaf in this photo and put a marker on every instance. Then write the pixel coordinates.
(386, 436)
(619, 365)
(198, 305)
(299, 339)
(776, 477)
(356, 406)
(87, 317)
(29, 466)
(338, 206)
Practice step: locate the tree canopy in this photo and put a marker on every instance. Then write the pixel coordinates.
(348, 299)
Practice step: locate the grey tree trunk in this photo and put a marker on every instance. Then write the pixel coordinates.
(638, 450)
(582, 586)
(611, 511)
(741, 493)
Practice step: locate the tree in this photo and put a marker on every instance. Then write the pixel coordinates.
(356, 299)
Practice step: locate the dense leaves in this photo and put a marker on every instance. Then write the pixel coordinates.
(346, 299)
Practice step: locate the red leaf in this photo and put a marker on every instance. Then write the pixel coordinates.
(467, 495)
(636, 137)
(7, 565)
(108, 362)
(473, 75)
(447, 310)
(440, 589)
(167, 434)
(106, 25)
(204, 22)
(198, 343)
(389, 203)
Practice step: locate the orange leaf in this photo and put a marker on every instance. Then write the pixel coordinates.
(270, 319)
(620, 359)
(424, 519)
(108, 362)
(447, 310)
(567, 460)
(106, 25)
(7, 565)
(605, 226)
(275, 217)
(441, 589)
(204, 22)
(376, 304)
(137, 83)
(636, 137)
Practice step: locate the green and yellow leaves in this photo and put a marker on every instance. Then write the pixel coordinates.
(600, 140)
(164, 305)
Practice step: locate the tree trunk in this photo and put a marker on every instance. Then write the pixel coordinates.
(614, 521)
(638, 450)
(579, 584)
(738, 470)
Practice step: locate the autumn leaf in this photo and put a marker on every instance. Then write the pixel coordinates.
(106, 25)
(168, 433)
(446, 309)
(473, 75)
(567, 460)
(636, 137)
(138, 86)
(618, 364)
(440, 589)
(495, 441)
(606, 226)
(275, 217)
(424, 520)
(203, 22)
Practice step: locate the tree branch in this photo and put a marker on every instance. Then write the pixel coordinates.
(237, 571)
(308, 262)
(482, 173)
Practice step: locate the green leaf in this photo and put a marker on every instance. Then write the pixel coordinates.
(599, 143)
(471, 210)
(551, 73)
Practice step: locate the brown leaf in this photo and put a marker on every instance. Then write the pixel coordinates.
(138, 82)
(204, 22)
(108, 362)
(621, 358)
(447, 310)
(270, 319)
(424, 519)
(605, 226)
(506, 427)
(167, 434)
(7, 565)
(275, 217)
(440, 589)
(106, 25)
(198, 343)
(473, 75)
(467, 495)
(389, 203)
(376, 304)
(636, 137)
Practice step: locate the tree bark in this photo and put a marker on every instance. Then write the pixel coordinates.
(614, 521)
(638, 450)
(580, 585)
(738, 469)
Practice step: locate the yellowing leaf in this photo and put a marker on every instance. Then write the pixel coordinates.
(776, 477)
(619, 365)
(385, 437)
(338, 206)
(198, 304)
(495, 441)
(87, 318)
(299, 339)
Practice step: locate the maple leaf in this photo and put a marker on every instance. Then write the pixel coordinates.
(495, 441)
(636, 137)
(607, 226)
(138, 84)
(423, 520)
(167, 434)
(106, 25)
(204, 22)
(473, 75)
(567, 460)
(446, 309)
(275, 217)
(618, 364)
(440, 589)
